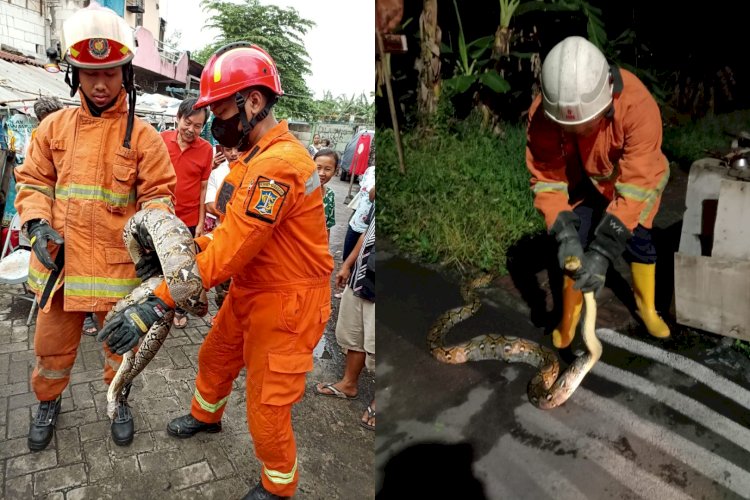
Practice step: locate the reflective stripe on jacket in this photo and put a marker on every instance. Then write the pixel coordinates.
(623, 159)
(79, 177)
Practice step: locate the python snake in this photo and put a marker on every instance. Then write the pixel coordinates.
(548, 388)
(176, 252)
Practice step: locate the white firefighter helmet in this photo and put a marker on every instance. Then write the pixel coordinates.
(97, 38)
(576, 82)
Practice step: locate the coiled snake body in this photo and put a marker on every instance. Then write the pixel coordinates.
(548, 388)
(175, 249)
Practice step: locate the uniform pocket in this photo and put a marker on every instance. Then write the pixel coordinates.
(284, 379)
(123, 180)
(123, 170)
(117, 256)
(123, 173)
(58, 149)
(291, 305)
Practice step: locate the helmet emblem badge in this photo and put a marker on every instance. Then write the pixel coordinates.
(99, 48)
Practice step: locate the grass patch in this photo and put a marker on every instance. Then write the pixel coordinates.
(465, 198)
(742, 347)
(692, 141)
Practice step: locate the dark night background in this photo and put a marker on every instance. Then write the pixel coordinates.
(693, 51)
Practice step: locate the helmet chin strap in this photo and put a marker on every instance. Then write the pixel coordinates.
(248, 126)
(128, 82)
(72, 81)
(617, 86)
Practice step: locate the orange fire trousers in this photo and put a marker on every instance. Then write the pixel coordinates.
(56, 340)
(272, 334)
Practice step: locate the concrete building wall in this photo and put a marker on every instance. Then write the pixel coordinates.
(150, 16)
(59, 11)
(24, 27)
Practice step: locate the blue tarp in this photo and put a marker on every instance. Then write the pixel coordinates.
(117, 5)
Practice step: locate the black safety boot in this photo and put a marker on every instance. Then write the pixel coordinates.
(260, 493)
(122, 426)
(188, 426)
(43, 425)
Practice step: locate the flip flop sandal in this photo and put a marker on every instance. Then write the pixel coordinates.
(335, 392)
(370, 415)
(90, 326)
(180, 320)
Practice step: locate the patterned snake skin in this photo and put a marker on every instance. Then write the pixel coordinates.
(545, 390)
(174, 246)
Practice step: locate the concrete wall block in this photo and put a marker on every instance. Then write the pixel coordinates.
(26, 23)
(25, 47)
(8, 13)
(35, 38)
(14, 33)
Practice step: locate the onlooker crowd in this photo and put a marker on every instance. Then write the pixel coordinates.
(192, 159)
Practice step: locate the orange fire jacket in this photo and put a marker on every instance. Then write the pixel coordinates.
(623, 159)
(79, 177)
(273, 234)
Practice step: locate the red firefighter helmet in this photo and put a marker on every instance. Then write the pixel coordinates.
(97, 38)
(235, 67)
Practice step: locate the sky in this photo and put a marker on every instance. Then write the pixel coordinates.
(340, 45)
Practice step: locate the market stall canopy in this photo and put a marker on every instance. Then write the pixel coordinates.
(157, 103)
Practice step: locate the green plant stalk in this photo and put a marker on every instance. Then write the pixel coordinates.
(507, 8)
(462, 44)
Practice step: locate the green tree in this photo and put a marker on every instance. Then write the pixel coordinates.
(277, 30)
(359, 109)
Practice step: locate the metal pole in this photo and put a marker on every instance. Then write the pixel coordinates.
(351, 183)
(391, 104)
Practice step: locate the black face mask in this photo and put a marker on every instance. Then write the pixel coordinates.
(228, 132)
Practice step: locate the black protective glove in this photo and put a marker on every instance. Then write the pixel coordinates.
(126, 327)
(610, 238)
(148, 266)
(40, 232)
(565, 231)
(590, 277)
(144, 239)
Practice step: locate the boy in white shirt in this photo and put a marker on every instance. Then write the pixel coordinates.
(215, 181)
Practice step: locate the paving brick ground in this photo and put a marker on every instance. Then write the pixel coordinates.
(335, 453)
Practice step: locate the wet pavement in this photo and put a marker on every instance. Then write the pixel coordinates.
(335, 453)
(653, 419)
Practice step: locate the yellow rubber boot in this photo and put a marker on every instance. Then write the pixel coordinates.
(644, 286)
(563, 335)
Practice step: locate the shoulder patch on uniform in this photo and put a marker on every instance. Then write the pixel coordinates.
(266, 199)
(225, 194)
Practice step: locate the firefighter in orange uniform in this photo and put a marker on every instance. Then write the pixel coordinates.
(597, 173)
(273, 244)
(88, 170)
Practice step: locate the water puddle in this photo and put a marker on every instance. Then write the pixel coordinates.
(320, 351)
